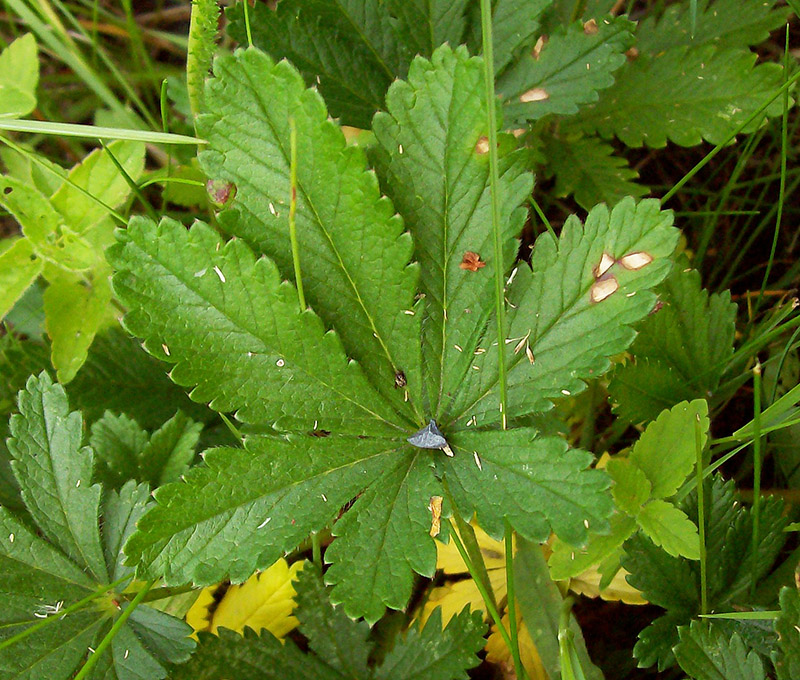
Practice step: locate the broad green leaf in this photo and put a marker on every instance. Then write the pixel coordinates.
(441, 188)
(722, 23)
(235, 331)
(20, 166)
(245, 507)
(19, 76)
(250, 657)
(569, 71)
(631, 486)
(705, 653)
(117, 441)
(75, 310)
(711, 93)
(170, 450)
(332, 635)
(559, 318)
(681, 351)
(349, 77)
(667, 451)
(354, 254)
(66, 557)
(385, 537)
(568, 561)
(99, 176)
(534, 482)
(670, 528)
(55, 474)
(657, 640)
(19, 268)
(430, 653)
(51, 238)
(787, 659)
(587, 168)
(426, 24)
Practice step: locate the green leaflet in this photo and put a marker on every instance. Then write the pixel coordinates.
(787, 657)
(19, 76)
(257, 353)
(712, 92)
(705, 653)
(587, 168)
(722, 23)
(441, 188)
(568, 72)
(65, 557)
(19, 268)
(533, 481)
(681, 352)
(669, 528)
(354, 255)
(557, 323)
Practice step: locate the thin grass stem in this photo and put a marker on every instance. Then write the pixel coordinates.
(756, 473)
(701, 515)
(298, 276)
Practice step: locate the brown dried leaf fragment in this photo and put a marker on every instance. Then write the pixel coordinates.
(435, 506)
(537, 48)
(590, 27)
(471, 261)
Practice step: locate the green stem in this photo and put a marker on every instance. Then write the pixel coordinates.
(701, 516)
(565, 636)
(494, 180)
(80, 604)
(134, 187)
(544, 219)
(511, 603)
(106, 641)
(298, 276)
(246, 10)
(202, 45)
(756, 471)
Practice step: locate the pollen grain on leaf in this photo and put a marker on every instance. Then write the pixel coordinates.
(471, 262)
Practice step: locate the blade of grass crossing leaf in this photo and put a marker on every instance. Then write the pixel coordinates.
(707, 158)
(781, 361)
(745, 616)
(246, 11)
(298, 277)
(756, 468)
(494, 179)
(693, 15)
(511, 605)
(701, 515)
(106, 641)
(782, 185)
(47, 127)
(66, 611)
(131, 183)
(33, 157)
(543, 218)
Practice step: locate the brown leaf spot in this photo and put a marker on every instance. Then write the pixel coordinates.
(606, 262)
(636, 260)
(471, 262)
(590, 27)
(632, 54)
(320, 433)
(482, 146)
(603, 288)
(535, 94)
(400, 379)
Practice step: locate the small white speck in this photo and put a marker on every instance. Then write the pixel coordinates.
(324, 498)
(166, 349)
(127, 651)
(197, 275)
(315, 424)
(90, 649)
(480, 350)
(410, 312)
(219, 273)
(630, 294)
(458, 348)
(77, 484)
(566, 393)
(572, 555)
(11, 538)
(586, 523)
(272, 208)
(477, 460)
(264, 523)
(280, 363)
(400, 148)
(249, 354)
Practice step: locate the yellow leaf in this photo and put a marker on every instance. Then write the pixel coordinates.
(449, 560)
(264, 601)
(588, 583)
(497, 652)
(452, 597)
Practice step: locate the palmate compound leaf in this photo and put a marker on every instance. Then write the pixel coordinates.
(354, 255)
(706, 653)
(66, 557)
(571, 310)
(441, 188)
(202, 305)
(234, 331)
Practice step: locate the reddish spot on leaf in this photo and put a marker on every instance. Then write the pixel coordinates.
(471, 261)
